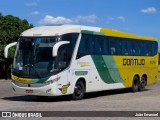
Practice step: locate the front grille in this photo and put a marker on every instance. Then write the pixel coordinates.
(28, 85)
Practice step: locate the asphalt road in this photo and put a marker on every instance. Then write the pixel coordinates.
(113, 100)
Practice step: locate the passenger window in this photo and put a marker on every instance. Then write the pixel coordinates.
(99, 43)
(102, 45)
(138, 47)
(129, 48)
(133, 44)
(86, 46)
(106, 46)
(72, 37)
(112, 46)
(126, 47)
(123, 47)
(118, 46)
(147, 48)
(154, 48)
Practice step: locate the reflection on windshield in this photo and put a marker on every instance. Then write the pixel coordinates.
(33, 56)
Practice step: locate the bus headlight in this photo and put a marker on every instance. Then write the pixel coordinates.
(51, 81)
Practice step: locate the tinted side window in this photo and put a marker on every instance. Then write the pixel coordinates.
(154, 48)
(126, 47)
(133, 47)
(118, 46)
(115, 46)
(147, 48)
(99, 44)
(137, 47)
(112, 46)
(72, 37)
(142, 47)
(86, 46)
(106, 46)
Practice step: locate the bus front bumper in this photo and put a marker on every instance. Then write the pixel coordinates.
(47, 90)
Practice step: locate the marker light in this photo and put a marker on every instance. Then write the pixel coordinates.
(51, 81)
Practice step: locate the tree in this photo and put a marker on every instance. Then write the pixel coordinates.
(10, 29)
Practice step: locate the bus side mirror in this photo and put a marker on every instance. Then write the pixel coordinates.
(7, 48)
(56, 47)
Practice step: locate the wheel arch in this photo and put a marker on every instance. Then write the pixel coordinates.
(83, 80)
(78, 79)
(79, 89)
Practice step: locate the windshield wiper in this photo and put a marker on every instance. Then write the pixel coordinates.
(38, 74)
(32, 66)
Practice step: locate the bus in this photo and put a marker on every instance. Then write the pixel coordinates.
(74, 60)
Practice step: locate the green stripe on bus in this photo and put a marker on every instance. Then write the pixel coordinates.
(102, 69)
(91, 32)
(107, 69)
(41, 80)
(113, 69)
(87, 32)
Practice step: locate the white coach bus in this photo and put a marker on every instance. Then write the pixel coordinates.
(72, 59)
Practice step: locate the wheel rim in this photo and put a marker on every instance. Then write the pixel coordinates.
(136, 85)
(143, 83)
(78, 90)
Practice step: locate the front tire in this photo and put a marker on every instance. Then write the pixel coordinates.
(79, 91)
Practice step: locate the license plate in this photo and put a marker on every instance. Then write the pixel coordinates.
(29, 91)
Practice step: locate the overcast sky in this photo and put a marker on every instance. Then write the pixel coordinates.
(140, 17)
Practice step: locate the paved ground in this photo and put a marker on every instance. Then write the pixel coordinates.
(115, 100)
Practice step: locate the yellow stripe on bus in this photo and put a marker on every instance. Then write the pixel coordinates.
(116, 33)
(21, 80)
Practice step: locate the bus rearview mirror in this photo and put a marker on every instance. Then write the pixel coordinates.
(56, 47)
(7, 48)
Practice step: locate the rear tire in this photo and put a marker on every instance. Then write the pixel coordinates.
(143, 84)
(135, 84)
(79, 91)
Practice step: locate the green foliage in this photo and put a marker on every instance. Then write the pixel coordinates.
(11, 52)
(1, 53)
(10, 29)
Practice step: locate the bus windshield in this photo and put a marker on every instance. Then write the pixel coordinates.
(33, 57)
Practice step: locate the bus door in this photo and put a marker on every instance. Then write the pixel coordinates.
(62, 62)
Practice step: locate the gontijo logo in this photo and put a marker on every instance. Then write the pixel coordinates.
(130, 62)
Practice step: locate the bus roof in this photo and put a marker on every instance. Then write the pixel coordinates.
(63, 29)
(50, 30)
(116, 33)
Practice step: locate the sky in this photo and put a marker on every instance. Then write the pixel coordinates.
(141, 17)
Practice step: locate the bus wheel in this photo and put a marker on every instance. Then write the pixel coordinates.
(135, 84)
(79, 91)
(143, 83)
